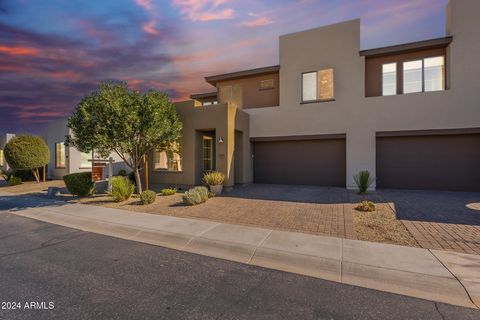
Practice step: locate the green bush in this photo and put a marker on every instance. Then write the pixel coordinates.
(366, 206)
(211, 194)
(195, 196)
(122, 189)
(148, 197)
(27, 152)
(122, 172)
(363, 180)
(213, 178)
(26, 175)
(14, 181)
(168, 191)
(80, 184)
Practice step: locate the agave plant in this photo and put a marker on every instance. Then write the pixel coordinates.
(363, 181)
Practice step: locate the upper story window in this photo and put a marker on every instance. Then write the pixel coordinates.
(60, 155)
(1, 158)
(424, 75)
(434, 73)
(389, 79)
(266, 84)
(317, 86)
(209, 103)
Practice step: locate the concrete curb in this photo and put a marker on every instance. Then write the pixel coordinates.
(441, 276)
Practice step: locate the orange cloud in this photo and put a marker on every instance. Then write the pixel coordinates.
(259, 22)
(204, 10)
(19, 51)
(145, 4)
(149, 28)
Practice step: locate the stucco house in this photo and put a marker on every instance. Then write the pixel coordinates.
(409, 113)
(4, 138)
(67, 159)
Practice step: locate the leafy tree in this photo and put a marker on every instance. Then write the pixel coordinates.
(27, 152)
(129, 123)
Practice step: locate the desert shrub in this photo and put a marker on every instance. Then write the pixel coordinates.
(363, 180)
(195, 196)
(148, 197)
(27, 152)
(122, 189)
(122, 173)
(168, 191)
(80, 184)
(14, 181)
(366, 206)
(211, 194)
(213, 178)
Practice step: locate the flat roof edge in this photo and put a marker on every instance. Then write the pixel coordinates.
(244, 73)
(406, 47)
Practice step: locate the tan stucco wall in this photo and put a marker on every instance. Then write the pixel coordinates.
(253, 97)
(337, 47)
(224, 120)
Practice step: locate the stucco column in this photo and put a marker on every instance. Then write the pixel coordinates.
(360, 154)
(225, 149)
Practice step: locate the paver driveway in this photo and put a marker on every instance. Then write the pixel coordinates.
(439, 220)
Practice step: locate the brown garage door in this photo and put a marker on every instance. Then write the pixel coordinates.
(435, 162)
(303, 162)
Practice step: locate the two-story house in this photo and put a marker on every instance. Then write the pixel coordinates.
(410, 113)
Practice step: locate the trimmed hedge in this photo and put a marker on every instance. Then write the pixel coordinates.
(14, 181)
(26, 152)
(80, 184)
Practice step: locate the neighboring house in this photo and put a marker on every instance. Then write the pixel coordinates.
(410, 113)
(4, 138)
(65, 160)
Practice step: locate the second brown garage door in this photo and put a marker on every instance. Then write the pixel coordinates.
(431, 162)
(319, 162)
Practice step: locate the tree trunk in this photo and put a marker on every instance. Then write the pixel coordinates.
(136, 172)
(36, 175)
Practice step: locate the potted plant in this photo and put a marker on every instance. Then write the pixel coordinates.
(214, 180)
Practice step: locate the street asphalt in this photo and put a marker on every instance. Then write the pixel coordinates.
(53, 272)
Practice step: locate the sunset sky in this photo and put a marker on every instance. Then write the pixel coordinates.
(54, 51)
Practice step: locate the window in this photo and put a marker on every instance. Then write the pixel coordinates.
(266, 84)
(424, 75)
(59, 155)
(434, 73)
(413, 76)
(231, 94)
(209, 103)
(317, 85)
(1, 157)
(207, 153)
(85, 160)
(389, 79)
(169, 159)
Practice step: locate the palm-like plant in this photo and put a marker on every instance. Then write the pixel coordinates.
(363, 181)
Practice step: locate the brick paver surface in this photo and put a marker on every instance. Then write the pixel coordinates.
(439, 220)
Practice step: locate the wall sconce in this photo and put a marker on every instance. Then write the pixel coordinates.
(220, 140)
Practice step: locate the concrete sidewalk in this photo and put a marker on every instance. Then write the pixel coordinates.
(442, 276)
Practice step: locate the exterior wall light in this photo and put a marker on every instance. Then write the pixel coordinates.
(220, 140)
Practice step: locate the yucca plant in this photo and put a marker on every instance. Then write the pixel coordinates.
(363, 181)
(122, 189)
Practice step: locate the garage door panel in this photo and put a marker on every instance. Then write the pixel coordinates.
(301, 162)
(443, 162)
